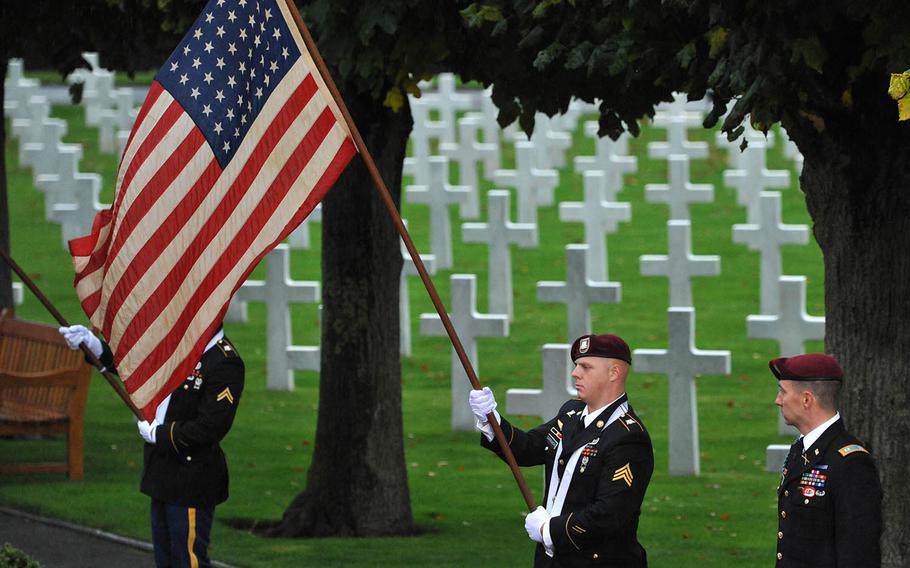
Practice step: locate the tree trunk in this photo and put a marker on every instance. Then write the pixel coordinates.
(857, 183)
(6, 278)
(357, 484)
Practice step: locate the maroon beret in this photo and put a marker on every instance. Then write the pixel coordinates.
(809, 367)
(606, 345)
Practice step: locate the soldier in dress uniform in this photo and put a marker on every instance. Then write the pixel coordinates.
(185, 471)
(829, 498)
(598, 459)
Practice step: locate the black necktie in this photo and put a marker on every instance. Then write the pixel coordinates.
(796, 452)
(579, 426)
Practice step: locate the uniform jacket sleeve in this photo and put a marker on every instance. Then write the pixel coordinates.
(106, 358)
(618, 498)
(858, 513)
(529, 448)
(216, 410)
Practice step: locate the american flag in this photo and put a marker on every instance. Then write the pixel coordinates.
(236, 143)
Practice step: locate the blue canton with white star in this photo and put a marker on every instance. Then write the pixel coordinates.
(227, 66)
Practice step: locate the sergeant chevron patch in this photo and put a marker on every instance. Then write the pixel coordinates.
(625, 474)
(226, 394)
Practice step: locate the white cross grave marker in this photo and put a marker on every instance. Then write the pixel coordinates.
(558, 386)
(467, 153)
(98, 95)
(600, 219)
(533, 186)
(408, 268)
(469, 324)
(679, 193)
(490, 128)
(767, 237)
(300, 237)
(499, 232)
(57, 185)
(447, 101)
(578, 292)
(750, 134)
(68, 185)
(43, 154)
(30, 130)
(609, 163)
(568, 120)
(417, 165)
(552, 142)
(18, 90)
(791, 327)
(438, 195)
(78, 215)
(682, 362)
(115, 119)
(753, 178)
(679, 265)
(278, 291)
(18, 293)
(677, 118)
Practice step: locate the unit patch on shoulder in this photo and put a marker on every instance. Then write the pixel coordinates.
(226, 348)
(852, 448)
(628, 420)
(225, 395)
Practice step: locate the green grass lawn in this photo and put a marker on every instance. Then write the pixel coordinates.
(465, 502)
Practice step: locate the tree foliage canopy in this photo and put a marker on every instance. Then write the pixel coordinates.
(383, 49)
(776, 60)
(129, 35)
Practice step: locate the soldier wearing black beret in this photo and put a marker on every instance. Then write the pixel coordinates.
(829, 498)
(598, 460)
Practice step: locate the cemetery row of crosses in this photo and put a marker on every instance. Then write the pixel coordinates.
(459, 126)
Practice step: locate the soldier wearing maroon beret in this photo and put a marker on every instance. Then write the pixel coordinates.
(598, 460)
(829, 498)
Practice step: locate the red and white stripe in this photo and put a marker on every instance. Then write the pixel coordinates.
(159, 269)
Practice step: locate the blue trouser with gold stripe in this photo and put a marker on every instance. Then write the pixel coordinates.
(181, 535)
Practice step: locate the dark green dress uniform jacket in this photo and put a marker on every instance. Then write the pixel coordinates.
(599, 520)
(186, 465)
(829, 505)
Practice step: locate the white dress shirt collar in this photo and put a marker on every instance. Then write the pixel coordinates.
(591, 415)
(219, 335)
(817, 432)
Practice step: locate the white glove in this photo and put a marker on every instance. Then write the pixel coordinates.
(482, 403)
(78, 334)
(147, 431)
(535, 522)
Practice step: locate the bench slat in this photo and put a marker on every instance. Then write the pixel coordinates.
(43, 389)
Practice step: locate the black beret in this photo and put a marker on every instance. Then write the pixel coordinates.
(809, 367)
(605, 345)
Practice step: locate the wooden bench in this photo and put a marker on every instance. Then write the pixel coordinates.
(43, 388)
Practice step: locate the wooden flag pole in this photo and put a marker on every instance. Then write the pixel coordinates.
(112, 379)
(409, 244)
